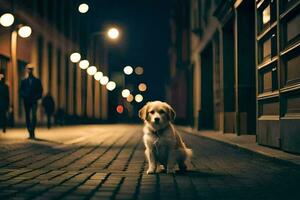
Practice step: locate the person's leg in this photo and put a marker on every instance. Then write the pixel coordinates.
(27, 116)
(33, 123)
(2, 120)
(48, 121)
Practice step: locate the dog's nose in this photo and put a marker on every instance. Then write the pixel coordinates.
(156, 120)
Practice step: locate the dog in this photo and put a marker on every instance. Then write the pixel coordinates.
(164, 146)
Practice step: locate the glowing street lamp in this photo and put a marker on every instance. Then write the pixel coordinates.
(125, 93)
(7, 19)
(83, 8)
(24, 31)
(142, 87)
(139, 70)
(138, 98)
(91, 70)
(120, 109)
(75, 57)
(98, 76)
(128, 70)
(130, 98)
(104, 80)
(111, 85)
(113, 33)
(84, 64)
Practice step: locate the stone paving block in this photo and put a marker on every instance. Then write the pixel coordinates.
(112, 166)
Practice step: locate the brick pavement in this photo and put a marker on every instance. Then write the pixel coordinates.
(108, 162)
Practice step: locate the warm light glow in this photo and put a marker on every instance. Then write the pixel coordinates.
(104, 80)
(91, 70)
(113, 33)
(120, 109)
(7, 19)
(139, 70)
(128, 70)
(24, 31)
(75, 57)
(98, 76)
(125, 93)
(84, 64)
(111, 85)
(83, 8)
(266, 15)
(142, 87)
(130, 98)
(138, 98)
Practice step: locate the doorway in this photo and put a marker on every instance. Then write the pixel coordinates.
(206, 115)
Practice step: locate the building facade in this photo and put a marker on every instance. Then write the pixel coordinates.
(57, 31)
(243, 63)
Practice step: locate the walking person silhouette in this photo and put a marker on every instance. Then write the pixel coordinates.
(31, 91)
(49, 107)
(4, 102)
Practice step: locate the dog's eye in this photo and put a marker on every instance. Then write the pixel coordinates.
(151, 112)
(161, 111)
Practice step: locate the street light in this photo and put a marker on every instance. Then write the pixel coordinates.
(24, 31)
(125, 93)
(128, 70)
(139, 70)
(113, 33)
(75, 57)
(91, 70)
(111, 85)
(84, 64)
(142, 87)
(83, 8)
(98, 76)
(138, 98)
(130, 98)
(7, 19)
(104, 80)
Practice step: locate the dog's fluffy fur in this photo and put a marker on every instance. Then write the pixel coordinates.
(164, 146)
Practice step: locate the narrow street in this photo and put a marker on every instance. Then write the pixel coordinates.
(107, 162)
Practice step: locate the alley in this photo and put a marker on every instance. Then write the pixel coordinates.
(107, 162)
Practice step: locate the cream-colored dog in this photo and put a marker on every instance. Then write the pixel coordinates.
(164, 146)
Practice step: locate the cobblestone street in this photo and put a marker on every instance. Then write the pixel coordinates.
(107, 162)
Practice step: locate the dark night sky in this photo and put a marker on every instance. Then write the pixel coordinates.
(145, 37)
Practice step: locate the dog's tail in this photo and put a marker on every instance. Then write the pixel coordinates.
(189, 153)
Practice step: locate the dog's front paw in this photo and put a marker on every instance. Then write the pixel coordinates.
(150, 171)
(170, 171)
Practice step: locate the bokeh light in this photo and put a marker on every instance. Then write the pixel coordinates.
(111, 85)
(84, 64)
(91, 70)
(142, 87)
(24, 31)
(7, 19)
(138, 98)
(75, 57)
(120, 109)
(104, 80)
(113, 33)
(128, 70)
(130, 98)
(125, 93)
(139, 70)
(83, 8)
(98, 76)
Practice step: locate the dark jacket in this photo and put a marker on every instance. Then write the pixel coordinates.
(4, 97)
(48, 104)
(31, 89)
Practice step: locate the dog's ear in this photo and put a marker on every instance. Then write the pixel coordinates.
(171, 113)
(143, 112)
